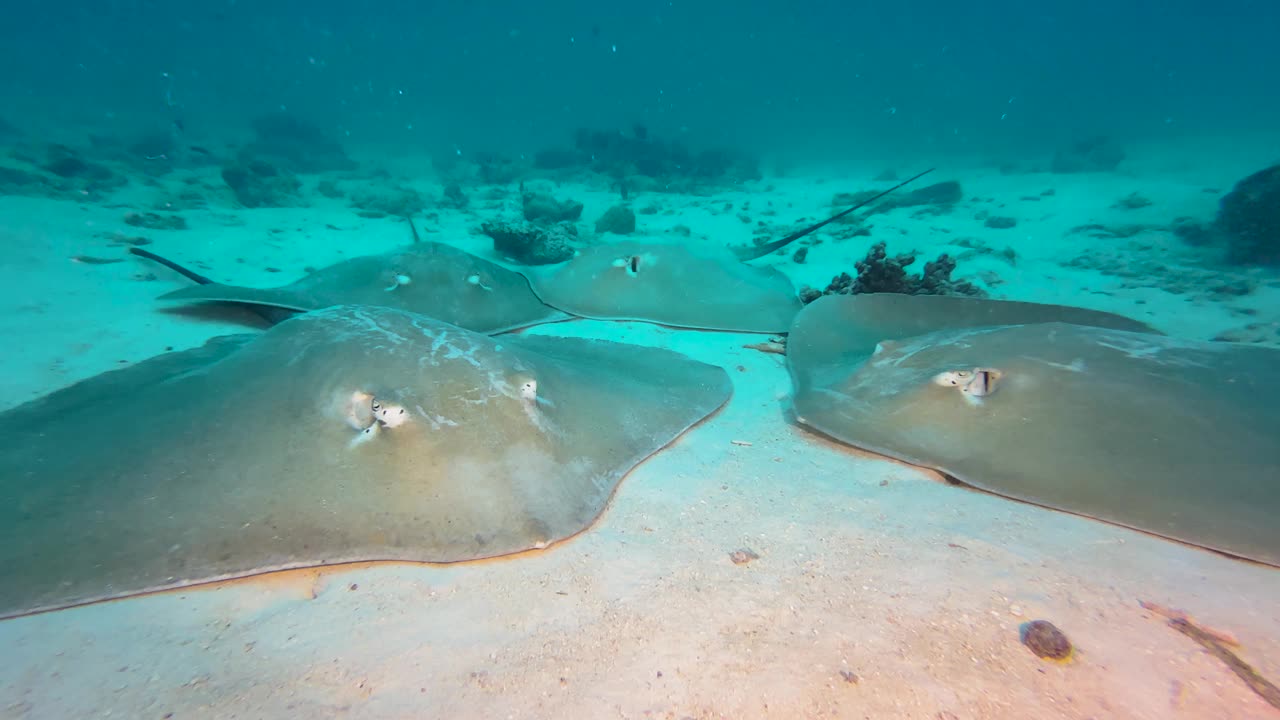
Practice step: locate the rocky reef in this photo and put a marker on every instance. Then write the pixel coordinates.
(1249, 219)
(880, 273)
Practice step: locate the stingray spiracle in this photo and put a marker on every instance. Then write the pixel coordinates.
(389, 414)
(953, 378)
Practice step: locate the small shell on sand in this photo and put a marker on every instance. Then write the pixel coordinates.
(742, 556)
(1045, 640)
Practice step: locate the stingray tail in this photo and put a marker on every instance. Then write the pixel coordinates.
(190, 274)
(751, 253)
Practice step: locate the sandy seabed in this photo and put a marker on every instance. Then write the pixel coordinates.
(879, 591)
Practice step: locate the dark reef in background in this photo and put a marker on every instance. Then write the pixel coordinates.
(1246, 229)
(498, 169)
(295, 145)
(668, 164)
(263, 172)
(1249, 219)
(1097, 154)
(56, 171)
(257, 183)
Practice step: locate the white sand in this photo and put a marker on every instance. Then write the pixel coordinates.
(867, 567)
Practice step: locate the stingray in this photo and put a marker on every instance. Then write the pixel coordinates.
(1172, 437)
(676, 285)
(437, 280)
(352, 433)
(681, 286)
(837, 331)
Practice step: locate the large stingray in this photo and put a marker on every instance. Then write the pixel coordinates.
(351, 433)
(681, 286)
(668, 284)
(1173, 437)
(437, 280)
(837, 331)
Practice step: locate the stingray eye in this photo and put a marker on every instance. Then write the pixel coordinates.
(391, 415)
(399, 279)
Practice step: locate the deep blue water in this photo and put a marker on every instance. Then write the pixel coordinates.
(816, 78)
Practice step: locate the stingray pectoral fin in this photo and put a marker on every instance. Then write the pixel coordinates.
(215, 292)
(272, 310)
(1164, 435)
(370, 447)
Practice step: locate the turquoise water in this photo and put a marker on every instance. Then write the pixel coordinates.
(823, 80)
(601, 233)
